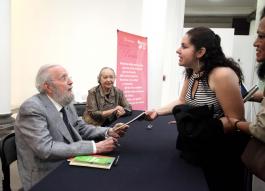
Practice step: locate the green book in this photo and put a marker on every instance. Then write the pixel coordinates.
(96, 161)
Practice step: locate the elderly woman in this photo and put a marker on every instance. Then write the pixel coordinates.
(105, 102)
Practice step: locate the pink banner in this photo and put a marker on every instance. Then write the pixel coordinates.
(132, 69)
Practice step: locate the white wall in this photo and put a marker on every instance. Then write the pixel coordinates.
(81, 35)
(163, 25)
(171, 70)
(244, 54)
(5, 68)
(78, 34)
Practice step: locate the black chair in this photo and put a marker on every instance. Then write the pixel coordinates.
(80, 108)
(248, 179)
(8, 154)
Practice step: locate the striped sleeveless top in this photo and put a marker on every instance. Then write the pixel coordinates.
(203, 95)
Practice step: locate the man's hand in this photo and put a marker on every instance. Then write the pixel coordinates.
(106, 145)
(118, 130)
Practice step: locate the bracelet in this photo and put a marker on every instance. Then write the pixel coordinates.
(235, 125)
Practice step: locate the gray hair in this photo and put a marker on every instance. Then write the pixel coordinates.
(104, 68)
(43, 76)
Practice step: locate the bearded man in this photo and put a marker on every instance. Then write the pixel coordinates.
(48, 130)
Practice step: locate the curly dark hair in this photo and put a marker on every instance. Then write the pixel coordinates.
(261, 71)
(203, 37)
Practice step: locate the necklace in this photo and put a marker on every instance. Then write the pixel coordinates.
(196, 75)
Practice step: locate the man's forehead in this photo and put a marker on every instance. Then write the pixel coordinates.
(261, 28)
(58, 71)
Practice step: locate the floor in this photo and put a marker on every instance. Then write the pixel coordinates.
(15, 180)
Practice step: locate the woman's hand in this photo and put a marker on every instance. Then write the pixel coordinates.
(151, 115)
(229, 123)
(119, 111)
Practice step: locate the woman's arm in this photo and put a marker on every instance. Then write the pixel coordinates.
(225, 83)
(257, 128)
(167, 109)
(240, 125)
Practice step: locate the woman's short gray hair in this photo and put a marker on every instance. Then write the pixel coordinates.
(104, 68)
(43, 76)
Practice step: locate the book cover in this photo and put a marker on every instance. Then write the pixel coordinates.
(95, 161)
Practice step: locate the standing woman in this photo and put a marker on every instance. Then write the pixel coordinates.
(105, 102)
(214, 80)
(257, 128)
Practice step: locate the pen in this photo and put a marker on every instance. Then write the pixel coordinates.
(127, 110)
(138, 116)
(117, 160)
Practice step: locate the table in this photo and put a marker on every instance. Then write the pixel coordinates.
(148, 161)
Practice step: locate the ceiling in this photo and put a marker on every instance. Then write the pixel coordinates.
(220, 14)
(220, 7)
